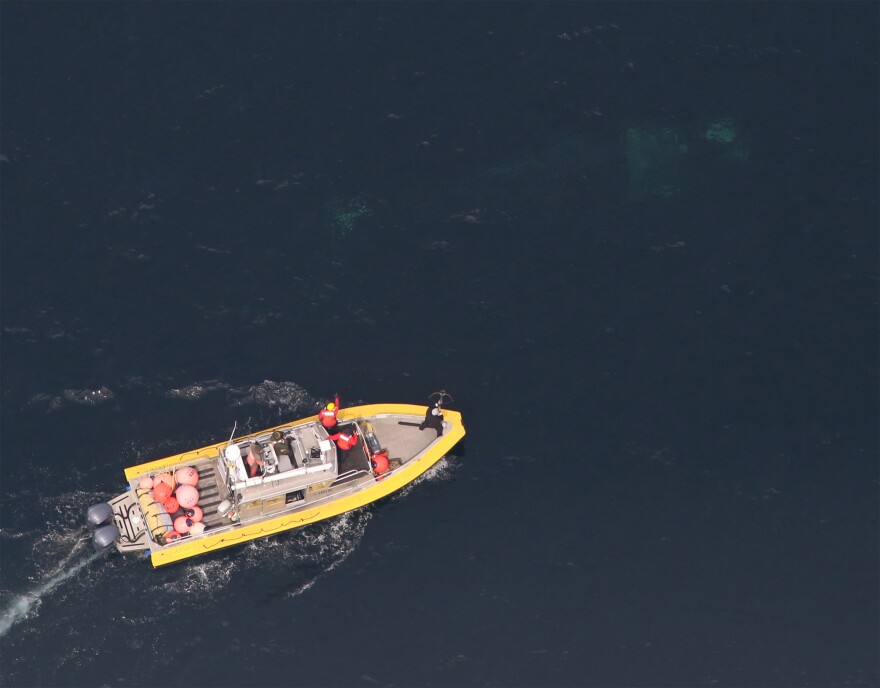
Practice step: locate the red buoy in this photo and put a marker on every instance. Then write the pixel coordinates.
(161, 492)
(379, 460)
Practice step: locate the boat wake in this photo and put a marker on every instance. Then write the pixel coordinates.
(56, 556)
(126, 599)
(297, 559)
(326, 548)
(277, 398)
(282, 398)
(23, 604)
(442, 471)
(51, 586)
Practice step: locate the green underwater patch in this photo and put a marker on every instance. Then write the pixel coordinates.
(653, 157)
(658, 161)
(722, 131)
(344, 214)
(727, 133)
(569, 155)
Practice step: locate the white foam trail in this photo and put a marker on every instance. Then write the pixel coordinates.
(6, 534)
(60, 566)
(280, 397)
(197, 390)
(88, 397)
(441, 471)
(301, 589)
(22, 604)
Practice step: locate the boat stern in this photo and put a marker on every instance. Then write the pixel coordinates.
(119, 522)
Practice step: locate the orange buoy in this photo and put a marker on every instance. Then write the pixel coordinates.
(379, 461)
(161, 492)
(187, 496)
(182, 524)
(166, 478)
(187, 476)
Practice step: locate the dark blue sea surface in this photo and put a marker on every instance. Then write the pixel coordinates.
(638, 242)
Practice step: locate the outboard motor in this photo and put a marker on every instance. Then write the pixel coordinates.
(99, 514)
(100, 518)
(105, 537)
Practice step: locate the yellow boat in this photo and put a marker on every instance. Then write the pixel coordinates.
(273, 480)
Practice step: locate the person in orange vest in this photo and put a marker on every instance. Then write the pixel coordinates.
(327, 415)
(345, 440)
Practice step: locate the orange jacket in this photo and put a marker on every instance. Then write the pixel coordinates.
(344, 441)
(328, 418)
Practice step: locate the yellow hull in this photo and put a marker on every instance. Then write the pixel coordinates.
(382, 488)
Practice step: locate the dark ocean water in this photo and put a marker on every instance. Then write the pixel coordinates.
(637, 242)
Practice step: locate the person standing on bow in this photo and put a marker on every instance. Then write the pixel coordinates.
(434, 418)
(327, 415)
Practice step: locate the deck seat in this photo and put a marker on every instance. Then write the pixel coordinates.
(284, 463)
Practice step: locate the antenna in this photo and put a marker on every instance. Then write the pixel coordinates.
(441, 396)
(231, 463)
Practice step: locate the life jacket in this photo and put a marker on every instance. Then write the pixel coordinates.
(254, 463)
(344, 441)
(328, 418)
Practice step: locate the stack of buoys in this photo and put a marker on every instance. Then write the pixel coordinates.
(179, 497)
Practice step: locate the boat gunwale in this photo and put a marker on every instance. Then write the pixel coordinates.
(361, 494)
(351, 414)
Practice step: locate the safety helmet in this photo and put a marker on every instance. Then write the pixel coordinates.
(331, 406)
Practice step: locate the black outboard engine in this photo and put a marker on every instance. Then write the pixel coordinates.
(100, 517)
(105, 537)
(99, 514)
